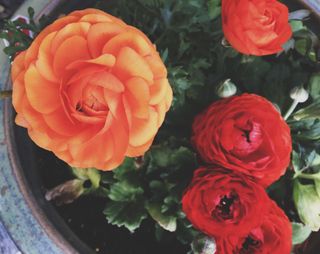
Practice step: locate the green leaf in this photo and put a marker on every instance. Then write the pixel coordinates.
(317, 186)
(300, 233)
(127, 214)
(91, 174)
(31, 12)
(168, 223)
(308, 129)
(314, 85)
(307, 202)
(302, 46)
(123, 191)
(297, 25)
(296, 161)
(214, 8)
(160, 156)
(126, 170)
(310, 112)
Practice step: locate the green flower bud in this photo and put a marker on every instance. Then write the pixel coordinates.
(203, 245)
(299, 94)
(307, 202)
(226, 89)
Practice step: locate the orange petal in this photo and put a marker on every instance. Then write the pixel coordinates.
(32, 51)
(88, 119)
(135, 30)
(120, 137)
(131, 64)
(74, 92)
(99, 34)
(70, 30)
(128, 111)
(138, 96)
(18, 92)
(84, 135)
(21, 121)
(33, 117)
(17, 65)
(143, 130)
(158, 90)
(44, 140)
(95, 18)
(129, 39)
(45, 58)
(59, 122)
(42, 94)
(105, 60)
(161, 109)
(107, 81)
(39, 131)
(96, 151)
(80, 13)
(169, 97)
(85, 73)
(134, 151)
(65, 156)
(115, 105)
(156, 65)
(71, 50)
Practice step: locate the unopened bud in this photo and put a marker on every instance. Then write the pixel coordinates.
(226, 89)
(66, 193)
(299, 94)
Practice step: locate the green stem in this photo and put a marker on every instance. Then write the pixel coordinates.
(310, 176)
(291, 109)
(5, 94)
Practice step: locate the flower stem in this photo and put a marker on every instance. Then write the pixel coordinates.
(291, 109)
(5, 94)
(310, 176)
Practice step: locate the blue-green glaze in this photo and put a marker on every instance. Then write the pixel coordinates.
(16, 214)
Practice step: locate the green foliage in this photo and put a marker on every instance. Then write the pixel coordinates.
(314, 85)
(300, 233)
(13, 32)
(154, 184)
(128, 214)
(310, 112)
(307, 202)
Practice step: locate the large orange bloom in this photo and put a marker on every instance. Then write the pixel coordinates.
(91, 89)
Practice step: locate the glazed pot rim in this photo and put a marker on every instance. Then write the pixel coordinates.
(57, 240)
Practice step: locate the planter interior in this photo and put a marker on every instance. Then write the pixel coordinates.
(82, 223)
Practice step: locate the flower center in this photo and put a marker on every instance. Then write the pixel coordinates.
(247, 137)
(250, 245)
(92, 102)
(225, 209)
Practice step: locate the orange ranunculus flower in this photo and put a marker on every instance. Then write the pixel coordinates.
(91, 89)
(256, 27)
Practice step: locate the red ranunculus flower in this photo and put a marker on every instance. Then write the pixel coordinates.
(246, 134)
(274, 235)
(256, 27)
(219, 202)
